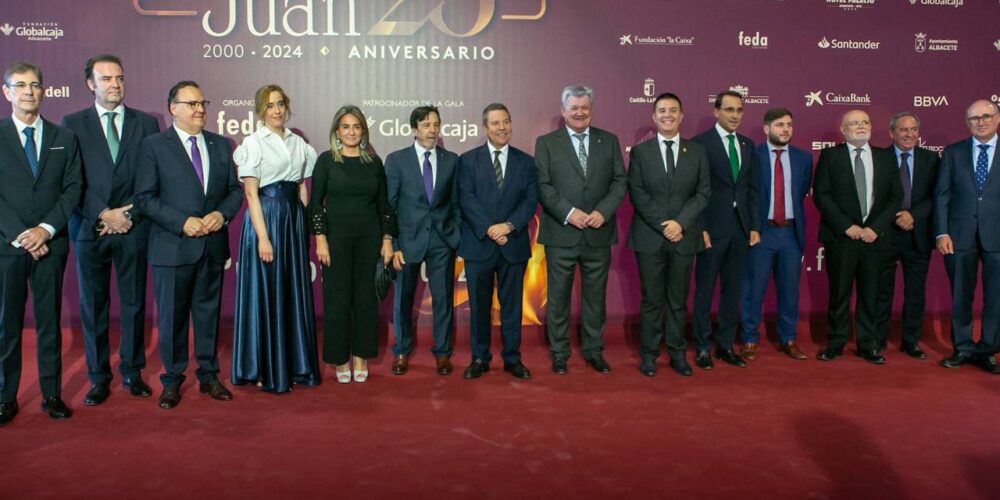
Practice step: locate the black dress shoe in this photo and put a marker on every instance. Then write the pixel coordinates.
(170, 397)
(956, 360)
(216, 390)
(518, 370)
(476, 369)
(703, 360)
(560, 366)
(681, 366)
(7, 412)
(872, 356)
(730, 357)
(913, 351)
(648, 368)
(137, 387)
(97, 395)
(599, 364)
(988, 363)
(830, 353)
(56, 408)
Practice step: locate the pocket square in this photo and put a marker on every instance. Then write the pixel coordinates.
(58, 147)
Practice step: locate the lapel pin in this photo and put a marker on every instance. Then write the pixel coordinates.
(684, 150)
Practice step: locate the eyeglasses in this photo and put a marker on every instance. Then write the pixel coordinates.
(195, 104)
(976, 120)
(21, 86)
(858, 123)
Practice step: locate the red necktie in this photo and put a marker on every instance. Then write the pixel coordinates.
(779, 189)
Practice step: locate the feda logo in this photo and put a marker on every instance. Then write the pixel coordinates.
(929, 101)
(756, 40)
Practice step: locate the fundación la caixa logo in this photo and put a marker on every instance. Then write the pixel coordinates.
(820, 98)
(673, 40)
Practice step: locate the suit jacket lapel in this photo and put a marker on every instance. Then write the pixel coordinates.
(214, 165)
(765, 188)
(129, 129)
(182, 156)
(443, 172)
(48, 137)
(723, 150)
(9, 133)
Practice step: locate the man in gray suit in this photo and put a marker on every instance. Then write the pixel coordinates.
(581, 182)
(421, 184)
(669, 184)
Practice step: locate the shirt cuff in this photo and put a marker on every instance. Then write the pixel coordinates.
(51, 230)
(566, 220)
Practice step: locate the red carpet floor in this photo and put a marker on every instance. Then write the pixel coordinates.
(778, 429)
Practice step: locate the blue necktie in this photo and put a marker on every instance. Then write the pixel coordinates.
(29, 150)
(981, 166)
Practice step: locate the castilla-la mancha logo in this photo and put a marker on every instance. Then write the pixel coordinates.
(7, 29)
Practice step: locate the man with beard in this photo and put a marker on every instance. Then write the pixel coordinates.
(857, 192)
(784, 174)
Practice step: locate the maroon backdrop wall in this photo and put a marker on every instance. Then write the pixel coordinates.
(817, 57)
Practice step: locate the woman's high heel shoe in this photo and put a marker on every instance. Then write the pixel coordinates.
(344, 376)
(360, 375)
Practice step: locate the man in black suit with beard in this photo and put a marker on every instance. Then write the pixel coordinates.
(106, 229)
(669, 186)
(40, 168)
(909, 241)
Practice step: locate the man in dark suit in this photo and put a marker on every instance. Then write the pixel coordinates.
(581, 182)
(967, 228)
(669, 186)
(40, 168)
(784, 176)
(858, 194)
(909, 241)
(105, 231)
(187, 186)
(421, 183)
(732, 226)
(497, 186)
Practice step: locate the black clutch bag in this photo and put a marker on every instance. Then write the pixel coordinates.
(384, 275)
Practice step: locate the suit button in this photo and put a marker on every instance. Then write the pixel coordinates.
(980, 198)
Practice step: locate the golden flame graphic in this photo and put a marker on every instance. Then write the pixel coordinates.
(534, 285)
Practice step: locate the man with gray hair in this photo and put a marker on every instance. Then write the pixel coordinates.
(909, 241)
(581, 183)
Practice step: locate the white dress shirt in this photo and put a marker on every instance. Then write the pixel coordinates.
(271, 158)
(119, 119)
(866, 159)
(432, 158)
(202, 148)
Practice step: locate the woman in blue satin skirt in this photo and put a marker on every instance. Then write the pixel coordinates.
(274, 337)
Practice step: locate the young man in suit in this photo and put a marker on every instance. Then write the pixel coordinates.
(858, 194)
(106, 229)
(909, 241)
(40, 168)
(784, 176)
(967, 229)
(421, 184)
(581, 183)
(497, 186)
(669, 186)
(732, 226)
(187, 186)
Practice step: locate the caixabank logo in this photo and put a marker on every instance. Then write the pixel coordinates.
(821, 98)
(35, 31)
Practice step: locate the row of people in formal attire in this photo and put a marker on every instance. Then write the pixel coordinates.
(165, 198)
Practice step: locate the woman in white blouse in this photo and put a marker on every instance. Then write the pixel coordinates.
(274, 336)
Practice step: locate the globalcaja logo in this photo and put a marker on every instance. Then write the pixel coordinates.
(942, 3)
(923, 44)
(670, 40)
(755, 41)
(851, 5)
(7, 29)
(744, 91)
(34, 31)
(820, 98)
(848, 44)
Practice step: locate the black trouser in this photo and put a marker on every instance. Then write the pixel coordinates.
(665, 278)
(561, 264)
(901, 249)
(182, 292)
(725, 263)
(850, 264)
(350, 309)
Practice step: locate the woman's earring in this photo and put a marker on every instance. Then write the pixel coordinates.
(338, 144)
(364, 144)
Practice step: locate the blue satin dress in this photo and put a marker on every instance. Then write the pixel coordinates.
(274, 336)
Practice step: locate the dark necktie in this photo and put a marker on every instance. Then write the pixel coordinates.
(670, 158)
(29, 150)
(860, 183)
(196, 160)
(779, 188)
(734, 157)
(111, 131)
(582, 152)
(904, 175)
(428, 177)
(498, 169)
(981, 166)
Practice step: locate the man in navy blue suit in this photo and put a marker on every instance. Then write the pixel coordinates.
(106, 231)
(40, 168)
(497, 192)
(421, 183)
(732, 226)
(967, 227)
(187, 186)
(784, 174)
(909, 241)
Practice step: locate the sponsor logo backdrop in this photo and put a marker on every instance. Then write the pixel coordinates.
(818, 58)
